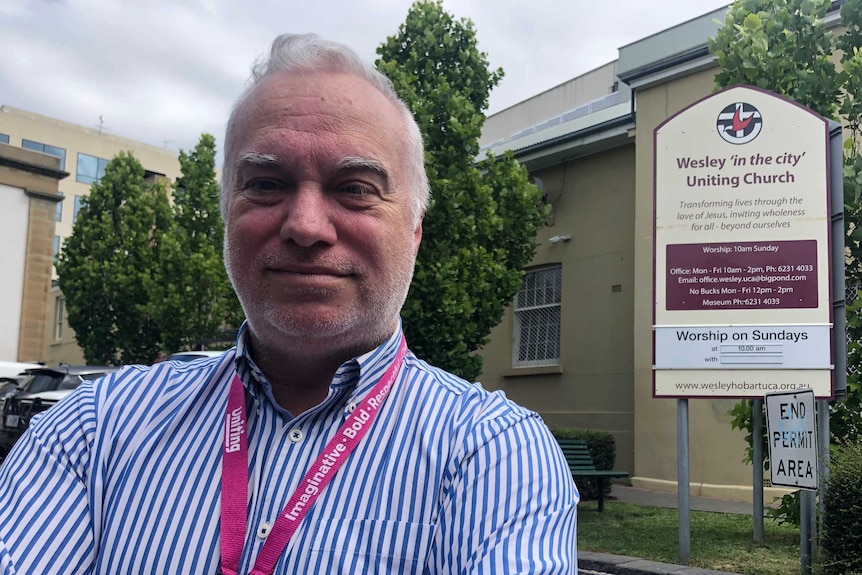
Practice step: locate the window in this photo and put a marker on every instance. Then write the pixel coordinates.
(536, 330)
(4, 138)
(90, 168)
(59, 215)
(59, 310)
(76, 209)
(46, 149)
(56, 248)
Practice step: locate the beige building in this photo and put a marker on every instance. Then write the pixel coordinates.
(577, 343)
(29, 190)
(82, 153)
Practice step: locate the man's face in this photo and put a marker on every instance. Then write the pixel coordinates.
(320, 238)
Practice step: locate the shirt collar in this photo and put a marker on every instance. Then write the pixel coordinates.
(359, 373)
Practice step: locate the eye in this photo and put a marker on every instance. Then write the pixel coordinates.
(262, 185)
(357, 190)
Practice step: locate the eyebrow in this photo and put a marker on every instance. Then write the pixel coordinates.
(356, 163)
(359, 163)
(255, 159)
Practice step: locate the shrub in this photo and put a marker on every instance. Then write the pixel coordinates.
(841, 541)
(603, 449)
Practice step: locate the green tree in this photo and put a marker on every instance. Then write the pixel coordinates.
(479, 231)
(846, 423)
(199, 300)
(784, 46)
(107, 268)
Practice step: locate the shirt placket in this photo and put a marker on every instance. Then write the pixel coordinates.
(283, 453)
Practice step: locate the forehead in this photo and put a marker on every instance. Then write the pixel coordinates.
(322, 113)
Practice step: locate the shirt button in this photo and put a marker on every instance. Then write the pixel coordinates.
(296, 435)
(263, 530)
(350, 407)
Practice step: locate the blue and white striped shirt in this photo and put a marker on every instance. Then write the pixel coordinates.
(124, 477)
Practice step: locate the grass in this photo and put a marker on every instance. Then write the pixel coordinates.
(720, 541)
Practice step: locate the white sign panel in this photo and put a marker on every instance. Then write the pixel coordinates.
(742, 238)
(743, 347)
(792, 439)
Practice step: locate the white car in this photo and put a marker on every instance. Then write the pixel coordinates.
(11, 369)
(192, 355)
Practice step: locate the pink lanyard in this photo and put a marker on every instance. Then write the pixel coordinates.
(234, 494)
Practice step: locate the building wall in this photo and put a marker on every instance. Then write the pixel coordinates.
(569, 95)
(14, 221)
(28, 191)
(594, 202)
(20, 125)
(61, 344)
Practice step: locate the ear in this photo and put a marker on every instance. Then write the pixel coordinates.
(417, 235)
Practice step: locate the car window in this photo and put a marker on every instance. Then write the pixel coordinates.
(40, 382)
(92, 376)
(70, 382)
(8, 387)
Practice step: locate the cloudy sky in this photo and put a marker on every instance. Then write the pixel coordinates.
(164, 71)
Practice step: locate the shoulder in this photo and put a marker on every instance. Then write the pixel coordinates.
(479, 413)
(133, 390)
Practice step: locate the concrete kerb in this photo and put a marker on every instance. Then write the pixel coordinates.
(622, 565)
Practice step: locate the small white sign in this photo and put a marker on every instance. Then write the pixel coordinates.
(743, 347)
(792, 439)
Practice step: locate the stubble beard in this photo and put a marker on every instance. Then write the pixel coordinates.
(357, 328)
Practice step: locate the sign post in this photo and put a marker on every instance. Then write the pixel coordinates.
(743, 255)
(793, 461)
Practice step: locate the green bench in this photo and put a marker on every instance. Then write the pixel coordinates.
(581, 464)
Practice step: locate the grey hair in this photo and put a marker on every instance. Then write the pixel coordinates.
(311, 53)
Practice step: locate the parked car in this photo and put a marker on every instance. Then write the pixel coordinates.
(14, 368)
(192, 355)
(9, 385)
(41, 388)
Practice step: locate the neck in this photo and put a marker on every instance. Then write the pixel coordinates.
(300, 378)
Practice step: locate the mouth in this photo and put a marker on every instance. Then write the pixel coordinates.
(308, 270)
(313, 279)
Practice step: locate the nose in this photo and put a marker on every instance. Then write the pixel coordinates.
(308, 220)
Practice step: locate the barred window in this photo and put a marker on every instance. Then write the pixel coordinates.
(536, 333)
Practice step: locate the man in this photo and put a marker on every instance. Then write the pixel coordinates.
(319, 444)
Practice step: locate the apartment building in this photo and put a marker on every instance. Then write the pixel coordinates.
(82, 152)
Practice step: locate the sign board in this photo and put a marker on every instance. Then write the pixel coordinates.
(792, 439)
(742, 249)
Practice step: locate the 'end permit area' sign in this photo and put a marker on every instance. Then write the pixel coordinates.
(792, 439)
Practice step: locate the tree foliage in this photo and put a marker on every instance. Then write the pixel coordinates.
(784, 46)
(479, 231)
(199, 300)
(141, 277)
(107, 268)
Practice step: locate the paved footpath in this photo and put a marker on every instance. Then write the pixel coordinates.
(590, 563)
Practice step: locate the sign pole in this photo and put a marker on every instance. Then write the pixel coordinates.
(823, 462)
(806, 521)
(682, 489)
(757, 464)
